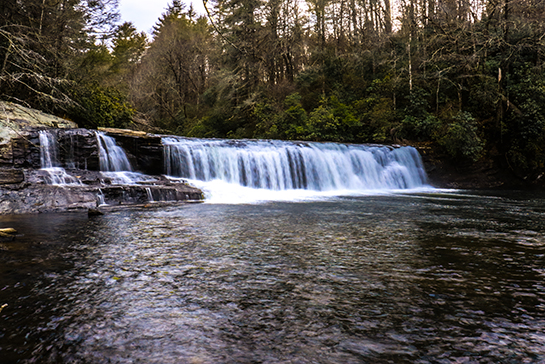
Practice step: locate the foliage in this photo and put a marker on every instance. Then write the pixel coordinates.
(168, 83)
(469, 79)
(460, 138)
(54, 58)
(524, 128)
(99, 106)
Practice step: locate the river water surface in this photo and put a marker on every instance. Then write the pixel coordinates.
(439, 277)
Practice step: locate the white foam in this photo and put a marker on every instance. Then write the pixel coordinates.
(221, 192)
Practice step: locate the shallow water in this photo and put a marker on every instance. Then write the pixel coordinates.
(401, 278)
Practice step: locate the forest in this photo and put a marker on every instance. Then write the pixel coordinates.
(463, 76)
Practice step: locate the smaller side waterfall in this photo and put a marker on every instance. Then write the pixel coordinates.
(70, 157)
(112, 156)
(49, 150)
(115, 165)
(150, 194)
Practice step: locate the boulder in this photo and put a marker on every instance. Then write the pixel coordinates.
(15, 118)
(94, 212)
(7, 234)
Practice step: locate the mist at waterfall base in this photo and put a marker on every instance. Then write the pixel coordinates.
(400, 278)
(249, 171)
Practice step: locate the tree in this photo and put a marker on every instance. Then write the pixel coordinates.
(42, 43)
(174, 70)
(128, 49)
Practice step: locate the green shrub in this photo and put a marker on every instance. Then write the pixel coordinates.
(460, 138)
(420, 128)
(100, 106)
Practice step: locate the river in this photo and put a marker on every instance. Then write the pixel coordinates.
(421, 277)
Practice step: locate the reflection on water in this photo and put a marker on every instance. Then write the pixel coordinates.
(429, 278)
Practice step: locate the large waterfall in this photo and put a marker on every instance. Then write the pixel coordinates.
(289, 166)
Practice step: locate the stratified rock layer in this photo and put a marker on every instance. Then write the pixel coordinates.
(34, 196)
(24, 185)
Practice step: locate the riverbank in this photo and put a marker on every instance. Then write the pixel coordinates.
(491, 172)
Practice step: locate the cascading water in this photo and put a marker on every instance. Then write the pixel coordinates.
(150, 194)
(48, 149)
(55, 175)
(112, 157)
(114, 162)
(328, 168)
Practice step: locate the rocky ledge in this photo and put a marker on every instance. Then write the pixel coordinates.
(24, 191)
(76, 183)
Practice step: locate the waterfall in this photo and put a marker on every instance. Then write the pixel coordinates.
(150, 194)
(281, 165)
(48, 149)
(101, 201)
(112, 157)
(115, 164)
(70, 157)
(53, 173)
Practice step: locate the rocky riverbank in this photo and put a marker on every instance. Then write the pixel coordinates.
(491, 172)
(95, 190)
(75, 182)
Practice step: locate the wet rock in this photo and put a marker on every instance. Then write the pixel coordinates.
(159, 190)
(94, 212)
(35, 196)
(78, 149)
(45, 198)
(25, 150)
(144, 151)
(6, 238)
(11, 176)
(7, 234)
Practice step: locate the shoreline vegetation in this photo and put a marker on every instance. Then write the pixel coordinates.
(462, 82)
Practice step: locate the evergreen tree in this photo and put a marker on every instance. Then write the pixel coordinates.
(174, 72)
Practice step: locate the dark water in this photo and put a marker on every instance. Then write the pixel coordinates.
(430, 278)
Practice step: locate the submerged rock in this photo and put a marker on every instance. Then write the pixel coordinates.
(94, 212)
(7, 234)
